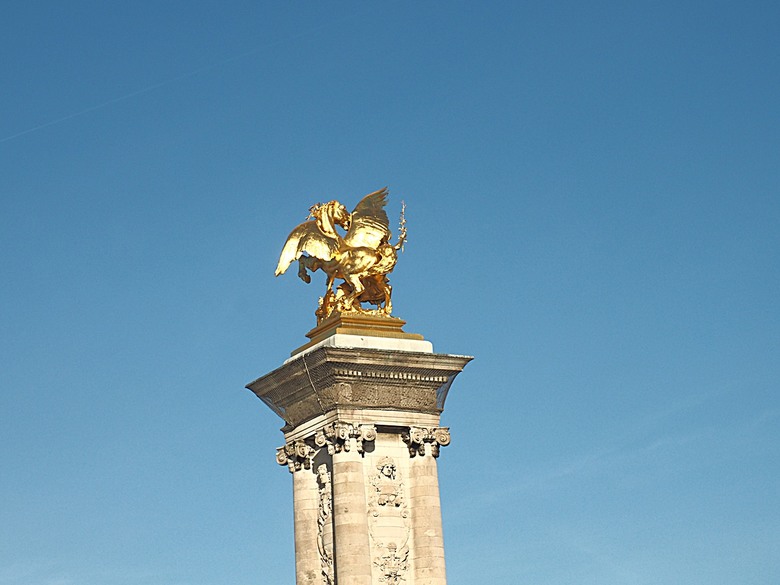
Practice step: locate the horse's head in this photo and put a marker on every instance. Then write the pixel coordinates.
(329, 215)
(339, 214)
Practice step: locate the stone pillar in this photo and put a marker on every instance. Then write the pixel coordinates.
(306, 501)
(362, 437)
(352, 552)
(306, 509)
(428, 550)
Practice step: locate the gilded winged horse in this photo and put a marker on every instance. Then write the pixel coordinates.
(362, 258)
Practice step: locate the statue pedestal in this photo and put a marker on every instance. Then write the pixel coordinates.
(362, 406)
(362, 325)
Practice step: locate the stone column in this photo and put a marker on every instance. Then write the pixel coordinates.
(306, 500)
(358, 522)
(352, 552)
(428, 551)
(306, 506)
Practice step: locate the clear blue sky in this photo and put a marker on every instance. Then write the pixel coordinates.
(593, 203)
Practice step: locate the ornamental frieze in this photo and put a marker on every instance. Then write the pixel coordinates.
(326, 378)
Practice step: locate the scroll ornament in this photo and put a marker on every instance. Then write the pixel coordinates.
(296, 455)
(337, 436)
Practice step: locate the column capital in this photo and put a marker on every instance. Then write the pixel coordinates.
(296, 455)
(337, 436)
(416, 438)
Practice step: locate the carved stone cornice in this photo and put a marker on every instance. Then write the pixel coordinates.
(416, 438)
(330, 377)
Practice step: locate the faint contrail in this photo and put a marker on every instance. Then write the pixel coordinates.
(192, 73)
(111, 101)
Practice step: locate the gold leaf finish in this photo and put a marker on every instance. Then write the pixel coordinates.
(362, 258)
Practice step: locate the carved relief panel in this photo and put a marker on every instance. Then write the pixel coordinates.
(325, 524)
(388, 522)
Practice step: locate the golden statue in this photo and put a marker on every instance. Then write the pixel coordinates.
(362, 258)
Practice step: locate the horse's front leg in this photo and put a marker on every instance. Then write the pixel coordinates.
(331, 279)
(303, 264)
(357, 289)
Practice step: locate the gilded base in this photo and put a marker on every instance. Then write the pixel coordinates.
(358, 324)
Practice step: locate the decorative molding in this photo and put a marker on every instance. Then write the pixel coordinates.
(416, 438)
(338, 436)
(331, 377)
(296, 455)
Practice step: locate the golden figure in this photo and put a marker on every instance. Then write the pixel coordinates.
(362, 258)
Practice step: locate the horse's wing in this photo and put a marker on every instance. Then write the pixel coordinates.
(308, 238)
(369, 225)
